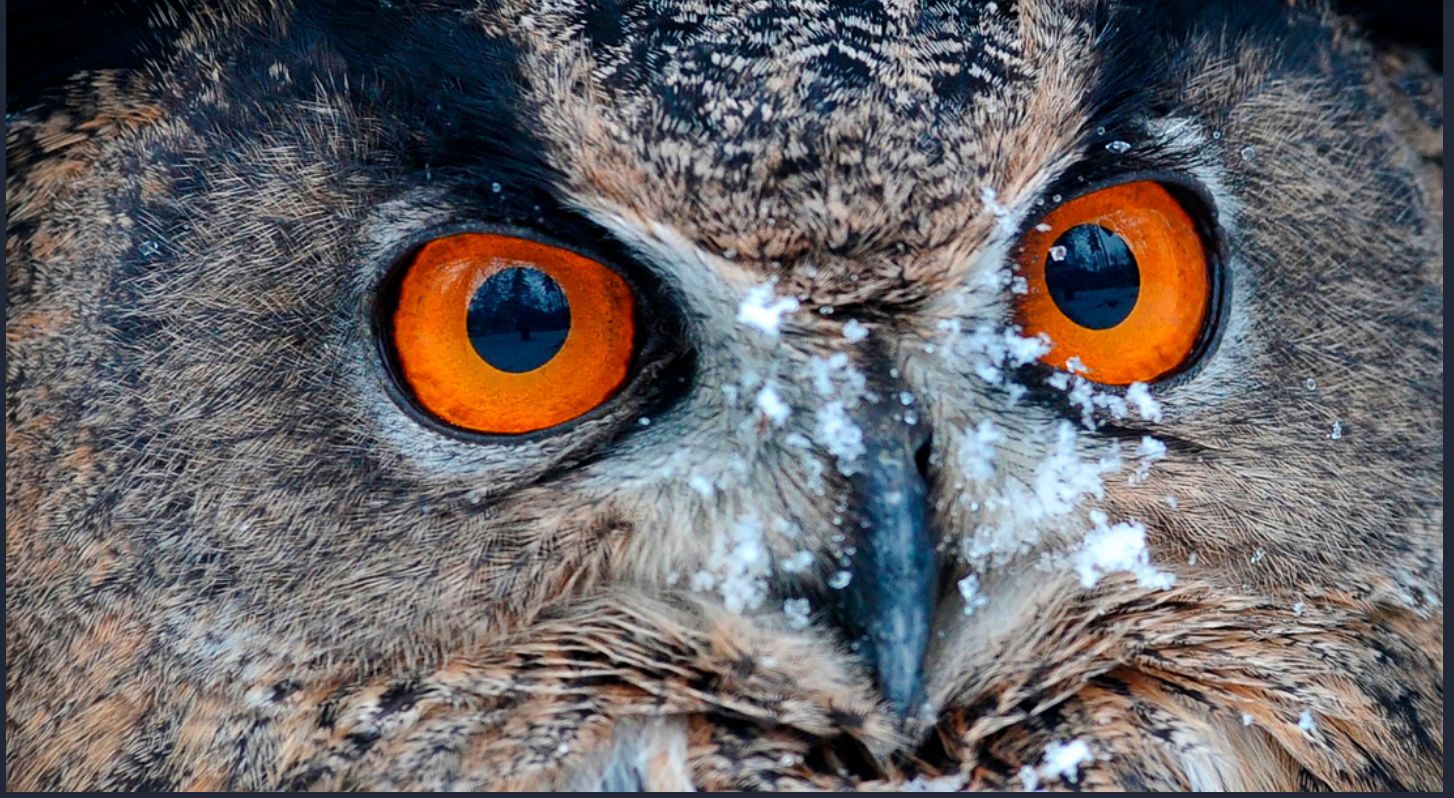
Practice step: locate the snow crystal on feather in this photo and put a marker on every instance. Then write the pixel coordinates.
(1121, 547)
(739, 567)
(773, 406)
(758, 309)
(837, 432)
(1064, 761)
(977, 451)
(1061, 480)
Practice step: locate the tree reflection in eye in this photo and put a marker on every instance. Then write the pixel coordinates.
(1095, 279)
(518, 319)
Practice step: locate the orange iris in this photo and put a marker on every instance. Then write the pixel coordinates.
(504, 335)
(1120, 280)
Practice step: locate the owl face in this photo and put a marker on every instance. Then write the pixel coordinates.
(729, 395)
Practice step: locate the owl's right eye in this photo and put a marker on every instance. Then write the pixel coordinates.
(504, 335)
(1120, 280)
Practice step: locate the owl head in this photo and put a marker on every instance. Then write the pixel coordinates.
(555, 394)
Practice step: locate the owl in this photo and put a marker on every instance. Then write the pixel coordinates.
(709, 394)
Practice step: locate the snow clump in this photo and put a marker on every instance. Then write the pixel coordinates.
(773, 406)
(977, 451)
(797, 611)
(740, 567)
(1118, 548)
(1140, 396)
(1064, 761)
(837, 432)
(759, 310)
(969, 589)
(1002, 214)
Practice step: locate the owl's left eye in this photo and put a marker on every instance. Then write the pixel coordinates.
(505, 335)
(1119, 280)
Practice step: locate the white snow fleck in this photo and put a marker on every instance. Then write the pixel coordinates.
(1062, 477)
(1151, 448)
(1065, 760)
(1149, 452)
(1246, 719)
(1118, 147)
(702, 485)
(1192, 559)
(741, 567)
(834, 374)
(1000, 212)
(1257, 556)
(976, 451)
(1247, 153)
(797, 611)
(1140, 396)
(1074, 365)
(969, 589)
(759, 310)
(1043, 228)
(644, 421)
(855, 330)
(1310, 383)
(1306, 723)
(837, 433)
(495, 187)
(1337, 430)
(1058, 253)
(1118, 548)
(773, 406)
(798, 563)
(1029, 779)
(840, 580)
(1297, 609)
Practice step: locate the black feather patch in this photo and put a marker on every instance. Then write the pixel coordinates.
(49, 41)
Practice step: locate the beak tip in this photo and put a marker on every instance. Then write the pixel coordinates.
(899, 660)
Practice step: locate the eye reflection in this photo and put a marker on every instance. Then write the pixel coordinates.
(1092, 276)
(518, 319)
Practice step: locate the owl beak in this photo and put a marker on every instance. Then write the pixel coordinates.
(894, 567)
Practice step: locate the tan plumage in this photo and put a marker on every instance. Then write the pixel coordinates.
(235, 561)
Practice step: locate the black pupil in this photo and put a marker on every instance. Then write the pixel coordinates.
(1092, 276)
(518, 319)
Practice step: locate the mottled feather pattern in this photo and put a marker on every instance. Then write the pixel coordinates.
(235, 561)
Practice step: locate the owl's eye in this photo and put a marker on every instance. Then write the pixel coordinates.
(1120, 280)
(504, 335)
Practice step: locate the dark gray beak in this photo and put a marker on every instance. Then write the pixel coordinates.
(895, 569)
